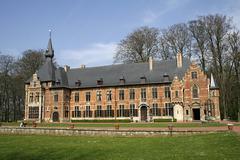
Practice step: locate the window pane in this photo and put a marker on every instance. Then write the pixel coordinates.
(167, 92)
(132, 94)
(195, 91)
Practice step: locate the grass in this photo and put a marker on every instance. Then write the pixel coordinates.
(127, 125)
(35, 147)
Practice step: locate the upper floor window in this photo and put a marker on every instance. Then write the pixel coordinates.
(56, 97)
(176, 94)
(167, 92)
(37, 97)
(109, 95)
(132, 94)
(31, 97)
(194, 75)
(195, 91)
(99, 95)
(121, 94)
(154, 93)
(76, 97)
(143, 94)
(88, 96)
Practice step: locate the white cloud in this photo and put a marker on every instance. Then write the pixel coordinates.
(96, 55)
(151, 16)
(234, 11)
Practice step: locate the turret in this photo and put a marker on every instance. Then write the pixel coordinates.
(49, 53)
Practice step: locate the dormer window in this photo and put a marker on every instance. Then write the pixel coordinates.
(166, 77)
(194, 75)
(122, 80)
(58, 82)
(143, 79)
(78, 83)
(100, 81)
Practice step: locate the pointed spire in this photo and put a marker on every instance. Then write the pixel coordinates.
(212, 82)
(49, 52)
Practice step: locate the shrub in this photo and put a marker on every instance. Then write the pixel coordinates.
(165, 120)
(103, 120)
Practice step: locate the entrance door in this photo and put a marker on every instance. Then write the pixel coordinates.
(178, 112)
(196, 113)
(143, 113)
(55, 117)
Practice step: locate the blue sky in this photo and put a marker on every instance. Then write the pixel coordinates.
(87, 31)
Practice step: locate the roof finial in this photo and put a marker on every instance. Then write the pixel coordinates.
(50, 33)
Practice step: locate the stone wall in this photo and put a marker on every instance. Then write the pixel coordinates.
(96, 132)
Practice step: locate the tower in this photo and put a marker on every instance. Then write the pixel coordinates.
(49, 53)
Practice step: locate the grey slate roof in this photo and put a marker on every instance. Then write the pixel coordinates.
(109, 75)
(49, 52)
(47, 71)
(132, 73)
(112, 74)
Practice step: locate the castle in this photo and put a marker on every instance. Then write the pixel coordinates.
(171, 89)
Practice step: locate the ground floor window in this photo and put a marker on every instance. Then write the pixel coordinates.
(76, 113)
(109, 112)
(121, 110)
(66, 111)
(133, 110)
(209, 108)
(155, 110)
(33, 112)
(88, 112)
(169, 109)
(99, 111)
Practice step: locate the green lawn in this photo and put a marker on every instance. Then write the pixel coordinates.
(128, 125)
(208, 146)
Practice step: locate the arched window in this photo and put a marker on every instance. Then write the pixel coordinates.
(195, 91)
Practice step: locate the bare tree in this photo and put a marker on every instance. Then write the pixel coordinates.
(29, 63)
(200, 44)
(164, 48)
(138, 46)
(12, 77)
(217, 28)
(234, 58)
(6, 66)
(179, 39)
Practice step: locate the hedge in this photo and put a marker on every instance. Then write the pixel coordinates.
(104, 121)
(165, 120)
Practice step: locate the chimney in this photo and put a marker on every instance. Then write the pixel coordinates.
(66, 68)
(179, 60)
(82, 66)
(150, 60)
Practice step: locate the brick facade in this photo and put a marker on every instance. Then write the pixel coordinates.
(171, 89)
(181, 94)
